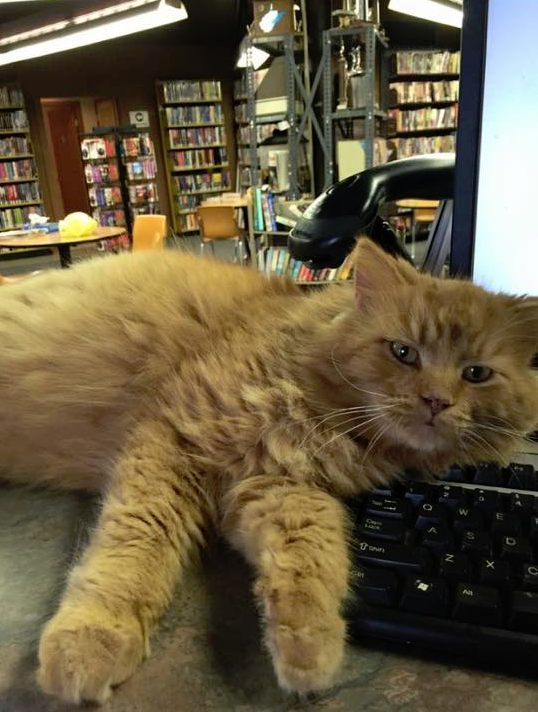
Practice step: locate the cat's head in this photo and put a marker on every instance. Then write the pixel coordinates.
(438, 366)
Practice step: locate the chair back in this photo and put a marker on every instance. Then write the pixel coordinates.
(217, 222)
(149, 232)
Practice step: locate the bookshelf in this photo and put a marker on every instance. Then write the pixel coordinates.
(192, 121)
(20, 192)
(120, 172)
(273, 260)
(423, 99)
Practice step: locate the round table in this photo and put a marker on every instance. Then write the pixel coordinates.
(55, 239)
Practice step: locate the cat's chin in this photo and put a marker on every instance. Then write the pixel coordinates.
(425, 437)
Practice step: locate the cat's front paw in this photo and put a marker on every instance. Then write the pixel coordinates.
(306, 645)
(80, 660)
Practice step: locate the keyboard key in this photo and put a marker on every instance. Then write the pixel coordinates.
(428, 514)
(438, 538)
(390, 507)
(530, 577)
(375, 586)
(488, 474)
(494, 572)
(487, 501)
(533, 530)
(455, 474)
(520, 477)
(522, 503)
(402, 558)
(524, 612)
(425, 595)
(452, 497)
(505, 524)
(477, 604)
(466, 518)
(515, 548)
(476, 544)
(417, 492)
(378, 528)
(455, 567)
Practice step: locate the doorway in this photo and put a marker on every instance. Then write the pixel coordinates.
(64, 121)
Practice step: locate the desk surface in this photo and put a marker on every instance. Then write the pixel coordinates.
(206, 654)
(55, 239)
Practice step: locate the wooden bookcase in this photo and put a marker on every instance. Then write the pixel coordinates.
(423, 96)
(192, 121)
(20, 193)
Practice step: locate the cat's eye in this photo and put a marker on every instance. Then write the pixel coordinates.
(405, 354)
(477, 374)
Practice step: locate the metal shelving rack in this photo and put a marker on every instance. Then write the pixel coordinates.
(374, 42)
(298, 115)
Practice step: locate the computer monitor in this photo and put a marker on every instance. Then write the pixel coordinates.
(494, 238)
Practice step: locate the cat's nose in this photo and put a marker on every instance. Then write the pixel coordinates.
(436, 404)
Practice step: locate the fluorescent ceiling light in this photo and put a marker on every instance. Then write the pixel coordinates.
(102, 25)
(258, 56)
(446, 13)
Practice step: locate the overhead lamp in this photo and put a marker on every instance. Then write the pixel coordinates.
(442, 11)
(118, 20)
(258, 56)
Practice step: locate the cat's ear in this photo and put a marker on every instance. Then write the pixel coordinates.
(523, 324)
(376, 272)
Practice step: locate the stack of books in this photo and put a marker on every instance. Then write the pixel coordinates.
(277, 260)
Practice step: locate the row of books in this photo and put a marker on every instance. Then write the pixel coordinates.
(13, 119)
(109, 218)
(146, 168)
(203, 114)
(420, 62)
(16, 217)
(197, 136)
(426, 118)
(263, 131)
(145, 209)
(191, 90)
(277, 260)
(11, 96)
(406, 147)
(101, 172)
(139, 145)
(104, 197)
(413, 92)
(19, 193)
(186, 202)
(93, 148)
(188, 222)
(143, 193)
(213, 181)
(25, 168)
(199, 157)
(264, 210)
(14, 146)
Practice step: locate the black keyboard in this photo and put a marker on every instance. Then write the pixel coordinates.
(451, 566)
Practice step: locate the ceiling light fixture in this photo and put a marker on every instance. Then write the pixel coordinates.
(109, 23)
(442, 11)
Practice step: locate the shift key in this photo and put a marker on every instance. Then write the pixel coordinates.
(407, 559)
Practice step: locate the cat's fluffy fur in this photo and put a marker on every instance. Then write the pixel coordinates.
(195, 394)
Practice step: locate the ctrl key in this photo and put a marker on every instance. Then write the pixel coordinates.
(524, 613)
(378, 587)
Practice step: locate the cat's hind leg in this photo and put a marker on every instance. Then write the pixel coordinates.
(152, 519)
(296, 537)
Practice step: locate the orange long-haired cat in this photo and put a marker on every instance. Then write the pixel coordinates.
(194, 394)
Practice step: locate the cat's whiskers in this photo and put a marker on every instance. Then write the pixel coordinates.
(358, 410)
(353, 385)
(481, 441)
(379, 434)
(349, 430)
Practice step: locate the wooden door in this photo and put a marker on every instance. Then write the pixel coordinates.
(65, 122)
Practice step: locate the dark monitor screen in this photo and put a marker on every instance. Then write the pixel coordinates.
(494, 240)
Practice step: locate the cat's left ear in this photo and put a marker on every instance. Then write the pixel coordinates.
(523, 323)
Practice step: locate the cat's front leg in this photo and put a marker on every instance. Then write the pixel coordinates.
(296, 538)
(152, 517)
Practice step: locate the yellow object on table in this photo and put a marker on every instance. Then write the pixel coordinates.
(77, 225)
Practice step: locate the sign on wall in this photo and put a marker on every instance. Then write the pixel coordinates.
(139, 118)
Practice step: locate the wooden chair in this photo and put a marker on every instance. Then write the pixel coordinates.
(149, 232)
(218, 222)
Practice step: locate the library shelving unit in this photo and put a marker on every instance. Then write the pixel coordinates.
(423, 95)
(120, 171)
(191, 117)
(20, 193)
